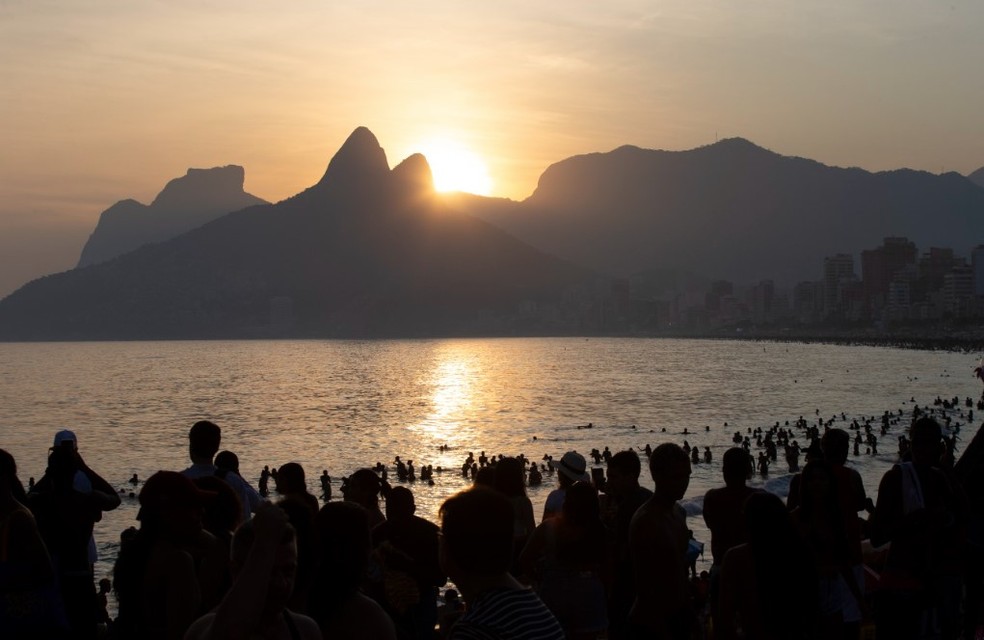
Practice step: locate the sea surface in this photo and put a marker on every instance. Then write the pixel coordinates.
(341, 405)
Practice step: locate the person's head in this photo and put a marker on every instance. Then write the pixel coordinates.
(227, 461)
(581, 505)
(623, 472)
(766, 519)
(284, 570)
(736, 466)
(290, 479)
(62, 465)
(9, 482)
(399, 504)
(203, 440)
(818, 487)
(170, 503)
(476, 534)
(223, 513)
(362, 487)
(485, 477)
(835, 444)
(669, 466)
(510, 478)
(66, 438)
(572, 468)
(927, 445)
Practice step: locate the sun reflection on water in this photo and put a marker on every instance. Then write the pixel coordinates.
(452, 383)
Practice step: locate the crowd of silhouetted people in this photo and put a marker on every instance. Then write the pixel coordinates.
(212, 557)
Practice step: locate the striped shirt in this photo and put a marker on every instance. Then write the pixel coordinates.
(507, 614)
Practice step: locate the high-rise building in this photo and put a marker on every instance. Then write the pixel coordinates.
(808, 301)
(762, 298)
(958, 288)
(880, 266)
(977, 264)
(838, 273)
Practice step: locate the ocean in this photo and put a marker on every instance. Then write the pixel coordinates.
(341, 405)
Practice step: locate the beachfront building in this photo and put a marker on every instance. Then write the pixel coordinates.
(838, 279)
(894, 261)
(977, 264)
(958, 291)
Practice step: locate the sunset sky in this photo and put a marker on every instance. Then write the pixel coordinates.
(102, 100)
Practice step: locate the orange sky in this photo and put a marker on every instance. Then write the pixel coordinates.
(102, 100)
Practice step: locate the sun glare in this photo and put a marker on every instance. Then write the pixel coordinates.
(456, 168)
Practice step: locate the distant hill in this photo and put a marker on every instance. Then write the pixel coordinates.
(367, 251)
(977, 177)
(200, 196)
(731, 210)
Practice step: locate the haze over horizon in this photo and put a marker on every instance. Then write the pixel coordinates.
(105, 100)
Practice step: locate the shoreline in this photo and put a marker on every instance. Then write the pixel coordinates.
(954, 343)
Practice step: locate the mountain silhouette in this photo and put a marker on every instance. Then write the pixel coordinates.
(977, 177)
(367, 251)
(190, 201)
(730, 210)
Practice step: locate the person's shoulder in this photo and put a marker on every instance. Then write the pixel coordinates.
(198, 470)
(307, 628)
(556, 495)
(201, 628)
(501, 609)
(737, 557)
(20, 518)
(425, 525)
(370, 616)
(713, 494)
(643, 514)
(236, 482)
(893, 474)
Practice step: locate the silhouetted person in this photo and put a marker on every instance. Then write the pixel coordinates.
(325, 480)
(204, 438)
(158, 574)
(510, 482)
(26, 573)
(572, 468)
(228, 462)
(363, 488)
(302, 519)
(221, 514)
(569, 560)
(407, 544)
(768, 587)
(851, 498)
(476, 551)
(85, 481)
(264, 562)
(723, 513)
(917, 511)
(658, 541)
(336, 603)
(627, 496)
(969, 472)
(291, 483)
(821, 525)
(65, 518)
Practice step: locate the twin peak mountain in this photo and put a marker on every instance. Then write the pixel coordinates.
(370, 251)
(367, 251)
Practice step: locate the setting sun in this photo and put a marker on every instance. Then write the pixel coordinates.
(456, 168)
